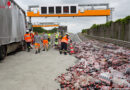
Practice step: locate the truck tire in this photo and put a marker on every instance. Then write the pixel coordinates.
(3, 52)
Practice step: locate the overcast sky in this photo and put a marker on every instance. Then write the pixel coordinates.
(121, 10)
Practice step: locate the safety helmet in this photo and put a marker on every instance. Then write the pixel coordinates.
(27, 31)
(67, 34)
(31, 31)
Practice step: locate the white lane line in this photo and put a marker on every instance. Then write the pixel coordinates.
(78, 38)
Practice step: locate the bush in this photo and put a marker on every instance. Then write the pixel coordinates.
(123, 21)
(108, 23)
(93, 26)
(84, 31)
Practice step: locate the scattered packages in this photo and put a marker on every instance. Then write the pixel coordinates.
(100, 66)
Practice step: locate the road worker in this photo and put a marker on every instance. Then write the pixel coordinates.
(45, 41)
(59, 40)
(56, 39)
(32, 36)
(60, 36)
(64, 43)
(28, 40)
(49, 38)
(37, 41)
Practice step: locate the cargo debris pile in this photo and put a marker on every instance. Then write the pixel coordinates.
(100, 66)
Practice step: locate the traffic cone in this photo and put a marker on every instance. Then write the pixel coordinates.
(71, 49)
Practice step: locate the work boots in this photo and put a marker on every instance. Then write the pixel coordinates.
(28, 49)
(36, 52)
(65, 53)
(60, 52)
(47, 49)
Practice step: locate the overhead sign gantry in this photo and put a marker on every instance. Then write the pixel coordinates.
(65, 11)
(47, 24)
(70, 10)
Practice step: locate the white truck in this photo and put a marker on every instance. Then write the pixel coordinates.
(12, 27)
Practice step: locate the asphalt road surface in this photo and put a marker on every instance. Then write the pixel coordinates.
(30, 71)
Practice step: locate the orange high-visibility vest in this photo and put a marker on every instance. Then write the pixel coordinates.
(64, 39)
(27, 37)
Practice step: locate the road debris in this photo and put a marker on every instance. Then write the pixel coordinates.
(101, 66)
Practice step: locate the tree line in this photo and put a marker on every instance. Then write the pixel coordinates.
(96, 26)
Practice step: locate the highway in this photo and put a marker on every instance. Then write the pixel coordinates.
(100, 49)
(28, 71)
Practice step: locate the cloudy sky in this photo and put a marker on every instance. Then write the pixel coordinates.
(121, 9)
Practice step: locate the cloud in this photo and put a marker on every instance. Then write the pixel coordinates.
(78, 23)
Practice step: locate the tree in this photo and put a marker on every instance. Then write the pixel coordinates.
(84, 31)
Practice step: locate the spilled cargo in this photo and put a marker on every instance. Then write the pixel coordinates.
(100, 66)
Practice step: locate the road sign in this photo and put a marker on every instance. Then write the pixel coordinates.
(49, 24)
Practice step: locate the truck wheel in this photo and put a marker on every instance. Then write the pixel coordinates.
(2, 52)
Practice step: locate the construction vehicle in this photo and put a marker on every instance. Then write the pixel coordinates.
(12, 27)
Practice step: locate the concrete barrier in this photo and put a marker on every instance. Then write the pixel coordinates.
(116, 30)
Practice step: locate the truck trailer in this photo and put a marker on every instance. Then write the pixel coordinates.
(12, 27)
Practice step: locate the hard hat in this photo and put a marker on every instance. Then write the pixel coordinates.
(67, 34)
(27, 30)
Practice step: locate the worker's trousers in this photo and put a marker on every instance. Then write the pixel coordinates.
(49, 39)
(56, 41)
(63, 47)
(28, 45)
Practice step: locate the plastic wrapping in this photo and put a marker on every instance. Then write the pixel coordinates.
(106, 65)
(12, 23)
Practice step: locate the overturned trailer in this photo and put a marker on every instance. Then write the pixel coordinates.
(12, 26)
